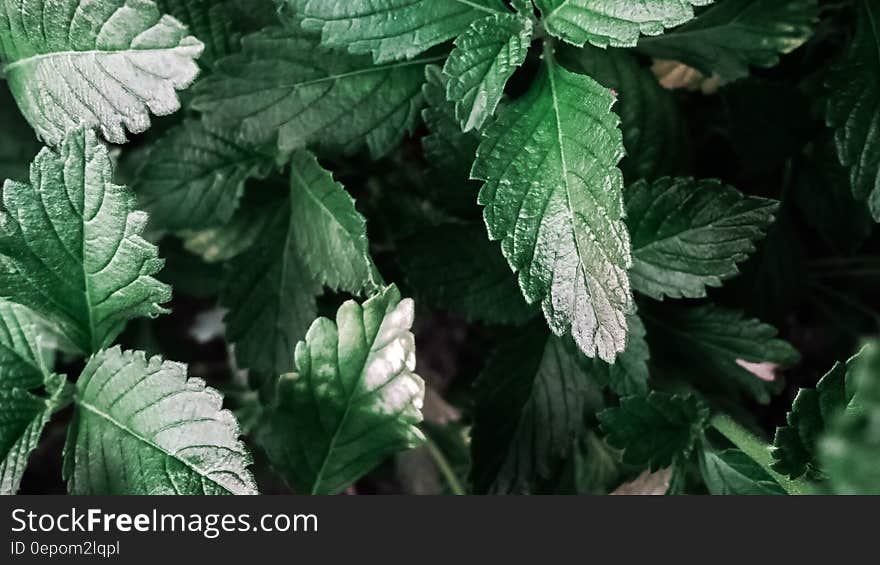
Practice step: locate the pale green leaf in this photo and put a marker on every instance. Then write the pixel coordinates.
(354, 398)
(854, 88)
(329, 233)
(107, 65)
(195, 176)
(614, 23)
(284, 88)
(689, 234)
(553, 196)
(142, 427)
(70, 245)
(734, 35)
(483, 60)
(391, 29)
(628, 375)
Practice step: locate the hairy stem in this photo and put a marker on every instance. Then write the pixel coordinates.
(759, 451)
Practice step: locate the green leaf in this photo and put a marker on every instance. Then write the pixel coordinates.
(615, 23)
(210, 21)
(238, 235)
(24, 357)
(270, 294)
(70, 245)
(195, 176)
(391, 29)
(628, 375)
(708, 345)
(447, 148)
(104, 65)
(455, 267)
(353, 400)
(483, 60)
(553, 196)
(532, 398)
(25, 364)
(656, 430)
(595, 467)
(329, 233)
(848, 451)
(142, 427)
(734, 35)
(689, 234)
(653, 127)
(283, 87)
(795, 446)
(852, 111)
(732, 472)
(22, 419)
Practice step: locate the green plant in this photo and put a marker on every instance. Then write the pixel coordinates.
(579, 231)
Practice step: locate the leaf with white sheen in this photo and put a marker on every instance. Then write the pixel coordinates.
(354, 398)
(728, 38)
(107, 65)
(653, 127)
(553, 196)
(195, 176)
(628, 374)
(285, 88)
(614, 23)
(70, 245)
(391, 29)
(142, 427)
(329, 232)
(483, 60)
(689, 234)
(270, 294)
(532, 397)
(854, 89)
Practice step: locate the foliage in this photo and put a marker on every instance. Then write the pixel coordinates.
(631, 230)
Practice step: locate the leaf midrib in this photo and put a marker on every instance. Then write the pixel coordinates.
(101, 414)
(93, 52)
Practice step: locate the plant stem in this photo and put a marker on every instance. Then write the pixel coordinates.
(445, 468)
(759, 451)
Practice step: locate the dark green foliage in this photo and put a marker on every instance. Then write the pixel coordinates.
(441, 246)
